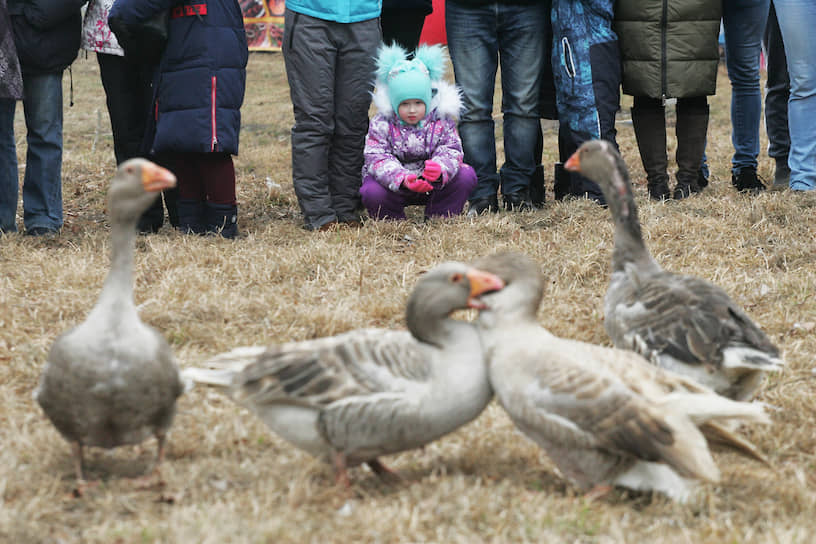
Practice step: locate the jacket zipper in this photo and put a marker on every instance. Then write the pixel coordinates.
(212, 115)
(664, 23)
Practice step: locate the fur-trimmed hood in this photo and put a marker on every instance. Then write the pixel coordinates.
(446, 101)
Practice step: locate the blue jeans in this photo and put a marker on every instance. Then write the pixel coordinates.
(744, 25)
(797, 19)
(479, 38)
(42, 183)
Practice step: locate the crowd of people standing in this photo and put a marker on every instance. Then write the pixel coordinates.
(558, 59)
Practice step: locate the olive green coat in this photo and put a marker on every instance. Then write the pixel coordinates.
(669, 48)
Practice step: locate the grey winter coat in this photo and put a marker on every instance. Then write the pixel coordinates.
(668, 48)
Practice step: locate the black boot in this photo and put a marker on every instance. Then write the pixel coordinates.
(692, 126)
(561, 182)
(152, 218)
(170, 202)
(190, 216)
(537, 192)
(650, 133)
(222, 219)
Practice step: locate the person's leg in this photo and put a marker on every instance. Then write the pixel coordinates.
(402, 26)
(9, 180)
(189, 194)
(797, 19)
(450, 199)
(354, 67)
(310, 60)
(42, 182)
(777, 94)
(743, 24)
(522, 56)
(127, 94)
(473, 47)
(380, 202)
(649, 122)
(691, 130)
(220, 207)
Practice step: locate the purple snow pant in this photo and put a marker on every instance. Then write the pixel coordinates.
(382, 203)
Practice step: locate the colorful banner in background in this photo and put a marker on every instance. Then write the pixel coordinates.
(263, 20)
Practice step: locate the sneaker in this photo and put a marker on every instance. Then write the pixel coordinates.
(485, 204)
(659, 190)
(42, 231)
(747, 180)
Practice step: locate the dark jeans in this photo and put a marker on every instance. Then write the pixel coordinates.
(480, 38)
(42, 182)
(777, 90)
(744, 24)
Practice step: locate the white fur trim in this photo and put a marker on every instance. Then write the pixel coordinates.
(446, 102)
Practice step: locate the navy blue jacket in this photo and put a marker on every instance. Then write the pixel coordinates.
(199, 84)
(46, 33)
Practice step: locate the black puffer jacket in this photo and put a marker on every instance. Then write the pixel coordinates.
(668, 47)
(46, 33)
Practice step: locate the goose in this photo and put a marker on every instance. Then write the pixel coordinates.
(679, 322)
(605, 416)
(112, 380)
(351, 398)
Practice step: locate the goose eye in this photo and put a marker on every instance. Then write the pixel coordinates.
(456, 278)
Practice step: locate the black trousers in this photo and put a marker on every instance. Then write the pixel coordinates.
(128, 94)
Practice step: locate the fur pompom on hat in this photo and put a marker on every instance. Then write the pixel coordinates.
(410, 79)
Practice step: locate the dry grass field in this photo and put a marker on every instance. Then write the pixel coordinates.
(229, 480)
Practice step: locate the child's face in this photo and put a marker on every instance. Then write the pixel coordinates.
(412, 111)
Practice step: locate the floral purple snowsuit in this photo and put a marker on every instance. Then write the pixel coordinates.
(394, 149)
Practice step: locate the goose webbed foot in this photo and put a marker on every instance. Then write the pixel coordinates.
(341, 477)
(597, 492)
(153, 479)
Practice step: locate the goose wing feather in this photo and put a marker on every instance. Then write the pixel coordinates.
(326, 370)
(684, 317)
(572, 402)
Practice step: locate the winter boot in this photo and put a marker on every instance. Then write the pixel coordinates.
(692, 126)
(152, 218)
(222, 219)
(537, 192)
(171, 197)
(782, 174)
(561, 182)
(190, 216)
(650, 133)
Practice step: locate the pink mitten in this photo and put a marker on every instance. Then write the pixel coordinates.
(432, 171)
(416, 185)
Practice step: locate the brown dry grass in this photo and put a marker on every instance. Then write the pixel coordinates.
(229, 480)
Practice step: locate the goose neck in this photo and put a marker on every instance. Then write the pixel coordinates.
(117, 292)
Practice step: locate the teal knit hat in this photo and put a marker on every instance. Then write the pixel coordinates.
(409, 79)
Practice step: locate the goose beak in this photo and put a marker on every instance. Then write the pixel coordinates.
(482, 282)
(155, 178)
(573, 164)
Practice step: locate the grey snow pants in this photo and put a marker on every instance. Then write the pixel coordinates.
(330, 67)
